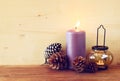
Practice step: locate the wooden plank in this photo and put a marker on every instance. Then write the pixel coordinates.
(44, 73)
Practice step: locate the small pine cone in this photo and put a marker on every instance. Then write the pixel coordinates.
(51, 49)
(58, 61)
(91, 67)
(79, 64)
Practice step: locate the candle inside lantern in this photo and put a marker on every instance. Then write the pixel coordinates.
(100, 62)
(76, 44)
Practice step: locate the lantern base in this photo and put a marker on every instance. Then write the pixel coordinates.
(101, 67)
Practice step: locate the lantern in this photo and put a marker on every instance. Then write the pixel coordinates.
(100, 53)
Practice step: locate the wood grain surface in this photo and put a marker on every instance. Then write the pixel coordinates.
(44, 73)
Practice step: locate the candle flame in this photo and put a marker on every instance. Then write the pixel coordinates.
(77, 25)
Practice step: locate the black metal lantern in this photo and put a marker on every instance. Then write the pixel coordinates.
(100, 53)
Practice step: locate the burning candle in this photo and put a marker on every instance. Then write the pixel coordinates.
(76, 44)
(100, 62)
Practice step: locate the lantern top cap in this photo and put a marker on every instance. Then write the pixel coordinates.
(100, 47)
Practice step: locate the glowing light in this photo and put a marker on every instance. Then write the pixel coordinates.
(77, 25)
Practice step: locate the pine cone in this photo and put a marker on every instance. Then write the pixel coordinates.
(52, 48)
(91, 67)
(79, 64)
(58, 61)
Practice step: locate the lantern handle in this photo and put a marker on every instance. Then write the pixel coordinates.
(101, 26)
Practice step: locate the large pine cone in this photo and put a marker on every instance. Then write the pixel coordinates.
(58, 61)
(91, 67)
(51, 49)
(79, 64)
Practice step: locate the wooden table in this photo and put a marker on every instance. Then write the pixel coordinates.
(44, 73)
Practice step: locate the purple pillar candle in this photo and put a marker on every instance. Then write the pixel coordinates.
(76, 45)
